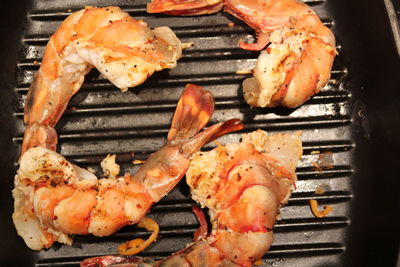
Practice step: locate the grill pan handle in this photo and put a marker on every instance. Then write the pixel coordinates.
(393, 11)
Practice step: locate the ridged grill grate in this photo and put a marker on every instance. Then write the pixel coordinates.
(102, 120)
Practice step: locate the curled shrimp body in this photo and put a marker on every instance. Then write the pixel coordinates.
(299, 52)
(243, 185)
(55, 198)
(289, 71)
(298, 59)
(124, 50)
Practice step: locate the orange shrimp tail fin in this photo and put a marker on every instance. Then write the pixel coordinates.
(184, 7)
(262, 41)
(210, 134)
(193, 112)
(226, 127)
(39, 135)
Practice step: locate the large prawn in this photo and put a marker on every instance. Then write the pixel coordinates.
(300, 50)
(243, 185)
(122, 48)
(55, 198)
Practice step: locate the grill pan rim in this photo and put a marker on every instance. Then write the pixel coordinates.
(374, 135)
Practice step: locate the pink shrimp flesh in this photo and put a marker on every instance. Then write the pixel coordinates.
(298, 59)
(266, 16)
(121, 48)
(243, 185)
(300, 49)
(55, 198)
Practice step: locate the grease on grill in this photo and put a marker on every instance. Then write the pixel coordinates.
(321, 189)
(324, 161)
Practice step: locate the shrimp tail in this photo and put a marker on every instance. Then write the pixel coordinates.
(193, 112)
(39, 135)
(117, 260)
(262, 41)
(202, 231)
(184, 7)
(210, 134)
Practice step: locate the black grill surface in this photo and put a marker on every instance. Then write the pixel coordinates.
(353, 121)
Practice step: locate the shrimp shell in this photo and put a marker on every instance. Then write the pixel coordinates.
(243, 185)
(55, 198)
(124, 50)
(298, 48)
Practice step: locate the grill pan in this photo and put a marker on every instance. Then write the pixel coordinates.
(354, 120)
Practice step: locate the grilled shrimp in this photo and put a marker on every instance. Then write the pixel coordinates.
(298, 60)
(243, 185)
(123, 49)
(55, 198)
(300, 50)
